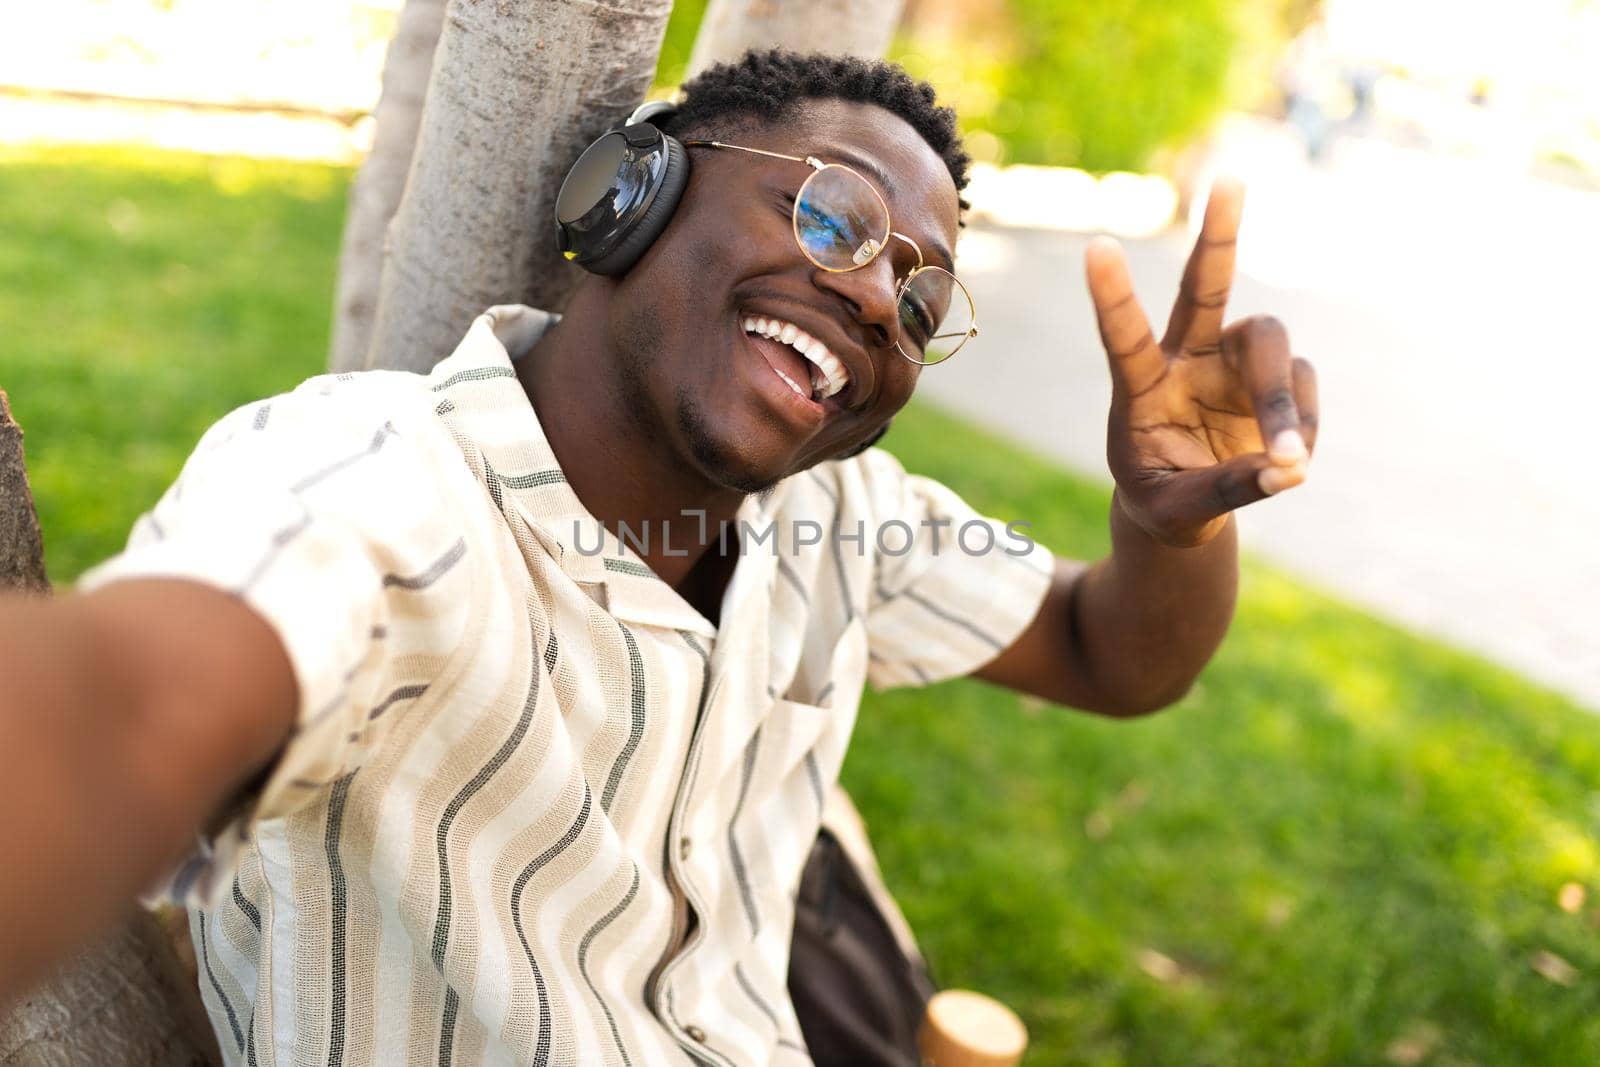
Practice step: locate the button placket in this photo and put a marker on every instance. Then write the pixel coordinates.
(676, 859)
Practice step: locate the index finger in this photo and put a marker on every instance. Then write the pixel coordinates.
(1197, 314)
(1137, 362)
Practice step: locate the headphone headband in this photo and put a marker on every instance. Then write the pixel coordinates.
(651, 110)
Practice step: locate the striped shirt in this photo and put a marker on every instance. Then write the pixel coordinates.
(536, 808)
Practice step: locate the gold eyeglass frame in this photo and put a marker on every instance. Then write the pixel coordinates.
(874, 247)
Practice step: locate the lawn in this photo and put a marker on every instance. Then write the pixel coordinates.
(1346, 846)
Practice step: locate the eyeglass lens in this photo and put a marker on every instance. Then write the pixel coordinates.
(839, 220)
(936, 315)
(841, 224)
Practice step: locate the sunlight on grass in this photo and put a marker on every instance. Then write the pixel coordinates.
(1342, 829)
(1343, 838)
(142, 303)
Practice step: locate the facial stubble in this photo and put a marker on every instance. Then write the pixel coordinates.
(717, 462)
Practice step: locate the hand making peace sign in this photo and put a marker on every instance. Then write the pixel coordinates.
(1211, 418)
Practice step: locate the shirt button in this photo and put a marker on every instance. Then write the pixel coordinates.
(683, 848)
(695, 1034)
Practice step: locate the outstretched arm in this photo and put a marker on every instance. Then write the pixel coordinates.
(1203, 422)
(1129, 634)
(128, 717)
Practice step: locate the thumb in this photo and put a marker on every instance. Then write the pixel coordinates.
(1190, 499)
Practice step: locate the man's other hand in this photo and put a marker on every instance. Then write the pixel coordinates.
(128, 718)
(1209, 419)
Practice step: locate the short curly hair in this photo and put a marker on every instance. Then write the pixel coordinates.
(765, 86)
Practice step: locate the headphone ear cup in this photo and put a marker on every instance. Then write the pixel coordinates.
(634, 244)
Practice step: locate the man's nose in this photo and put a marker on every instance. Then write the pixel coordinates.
(872, 296)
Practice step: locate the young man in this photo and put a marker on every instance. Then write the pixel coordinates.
(476, 781)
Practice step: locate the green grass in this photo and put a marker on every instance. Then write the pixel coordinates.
(143, 298)
(1345, 836)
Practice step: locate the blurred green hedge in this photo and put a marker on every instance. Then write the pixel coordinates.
(1099, 84)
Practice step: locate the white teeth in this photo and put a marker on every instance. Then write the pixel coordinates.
(794, 385)
(835, 377)
(834, 370)
(829, 376)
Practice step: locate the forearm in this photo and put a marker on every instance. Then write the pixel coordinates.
(106, 768)
(1149, 617)
(1129, 634)
(67, 831)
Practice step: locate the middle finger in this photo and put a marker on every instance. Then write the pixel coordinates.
(1196, 322)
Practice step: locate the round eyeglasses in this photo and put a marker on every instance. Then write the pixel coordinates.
(841, 224)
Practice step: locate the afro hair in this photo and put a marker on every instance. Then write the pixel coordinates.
(765, 86)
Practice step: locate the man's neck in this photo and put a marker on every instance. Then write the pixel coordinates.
(617, 468)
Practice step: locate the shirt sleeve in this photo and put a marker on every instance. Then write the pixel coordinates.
(951, 589)
(330, 515)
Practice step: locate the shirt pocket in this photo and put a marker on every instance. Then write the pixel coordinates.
(804, 740)
(788, 790)
(832, 669)
(792, 730)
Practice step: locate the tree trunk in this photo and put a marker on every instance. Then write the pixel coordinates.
(844, 27)
(21, 551)
(382, 179)
(128, 999)
(518, 88)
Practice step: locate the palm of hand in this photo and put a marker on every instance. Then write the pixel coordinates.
(1192, 417)
(1208, 419)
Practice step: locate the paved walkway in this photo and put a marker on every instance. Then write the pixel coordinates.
(1451, 313)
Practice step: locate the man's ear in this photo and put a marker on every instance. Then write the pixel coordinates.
(869, 442)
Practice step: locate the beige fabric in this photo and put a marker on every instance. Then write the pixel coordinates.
(520, 767)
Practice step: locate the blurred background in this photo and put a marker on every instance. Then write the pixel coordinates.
(1369, 835)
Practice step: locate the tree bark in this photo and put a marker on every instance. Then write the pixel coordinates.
(124, 1001)
(382, 179)
(843, 27)
(21, 550)
(518, 88)
(128, 999)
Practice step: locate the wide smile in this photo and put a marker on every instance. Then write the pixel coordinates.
(796, 372)
(803, 362)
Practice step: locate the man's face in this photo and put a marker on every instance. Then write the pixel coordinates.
(710, 391)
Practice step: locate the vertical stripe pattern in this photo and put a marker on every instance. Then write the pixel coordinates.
(535, 809)
(338, 903)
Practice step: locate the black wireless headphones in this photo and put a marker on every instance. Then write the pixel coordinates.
(621, 193)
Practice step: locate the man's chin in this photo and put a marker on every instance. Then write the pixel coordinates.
(731, 470)
(732, 464)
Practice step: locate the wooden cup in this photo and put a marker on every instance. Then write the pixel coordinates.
(967, 1029)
